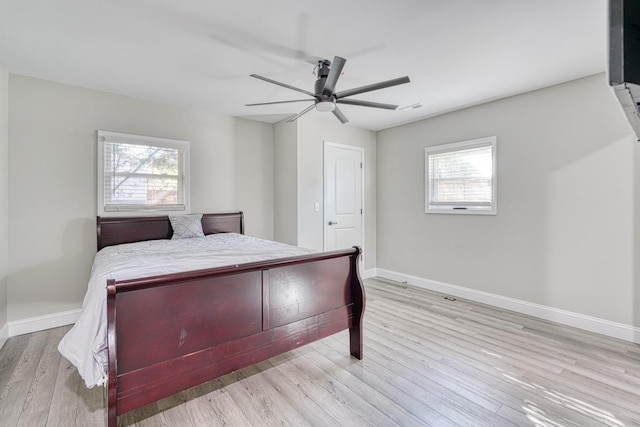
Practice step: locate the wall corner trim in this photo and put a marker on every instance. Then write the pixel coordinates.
(4, 335)
(40, 323)
(568, 318)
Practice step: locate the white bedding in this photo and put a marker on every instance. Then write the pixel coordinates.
(85, 345)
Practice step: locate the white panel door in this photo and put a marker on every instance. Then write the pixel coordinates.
(343, 172)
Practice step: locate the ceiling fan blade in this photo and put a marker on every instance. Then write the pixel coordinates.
(276, 102)
(259, 46)
(343, 119)
(334, 73)
(367, 104)
(301, 113)
(303, 38)
(266, 79)
(374, 86)
(367, 50)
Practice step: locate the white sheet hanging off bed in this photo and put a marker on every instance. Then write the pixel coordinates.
(85, 345)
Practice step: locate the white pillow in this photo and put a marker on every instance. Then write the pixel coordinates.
(186, 226)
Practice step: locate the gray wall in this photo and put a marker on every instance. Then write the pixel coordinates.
(52, 180)
(564, 233)
(254, 176)
(4, 192)
(285, 179)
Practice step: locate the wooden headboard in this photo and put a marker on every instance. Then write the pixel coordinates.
(114, 231)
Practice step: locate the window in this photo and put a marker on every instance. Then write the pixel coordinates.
(141, 174)
(460, 177)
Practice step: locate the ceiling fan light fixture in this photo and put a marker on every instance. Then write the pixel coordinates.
(325, 106)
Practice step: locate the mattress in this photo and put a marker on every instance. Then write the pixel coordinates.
(85, 345)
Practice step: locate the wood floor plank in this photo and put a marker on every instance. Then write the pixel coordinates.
(299, 400)
(210, 403)
(269, 408)
(64, 406)
(488, 388)
(384, 381)
(254, 382)
(427, 362)
(450, 404)
(10, 356)
(324, 396)
(35, 409)
(343, 393)
(364, 391)
(442, 343)
(542, 329)
(172, 412)
(228, 412)
(91, 406)
(518, 418)
(473, 339)
(465, 388)
(468, 341)
(15, 393)
(149, 415)
(521, 369)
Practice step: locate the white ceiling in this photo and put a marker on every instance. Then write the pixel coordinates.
(200, 53)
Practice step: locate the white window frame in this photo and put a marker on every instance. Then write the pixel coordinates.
(462, 209)
(125, 138)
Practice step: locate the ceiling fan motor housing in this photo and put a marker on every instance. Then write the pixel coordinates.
(323, 72)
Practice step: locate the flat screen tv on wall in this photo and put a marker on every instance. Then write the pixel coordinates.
(624, 57)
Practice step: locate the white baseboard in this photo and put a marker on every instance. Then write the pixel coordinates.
(4, 335)
(576, 320)
(40, 323)
(367, 274)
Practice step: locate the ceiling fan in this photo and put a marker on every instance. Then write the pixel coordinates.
(325, 95)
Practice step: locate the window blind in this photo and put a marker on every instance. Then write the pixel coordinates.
(461, 176)
(141, 176)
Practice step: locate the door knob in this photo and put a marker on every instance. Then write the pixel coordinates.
(333, 223)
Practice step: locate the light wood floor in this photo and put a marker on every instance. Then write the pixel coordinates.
(427, 361)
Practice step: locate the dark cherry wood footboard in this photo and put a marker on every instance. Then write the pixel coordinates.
(172, 332)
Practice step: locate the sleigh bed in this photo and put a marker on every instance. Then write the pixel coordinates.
(171, 332)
